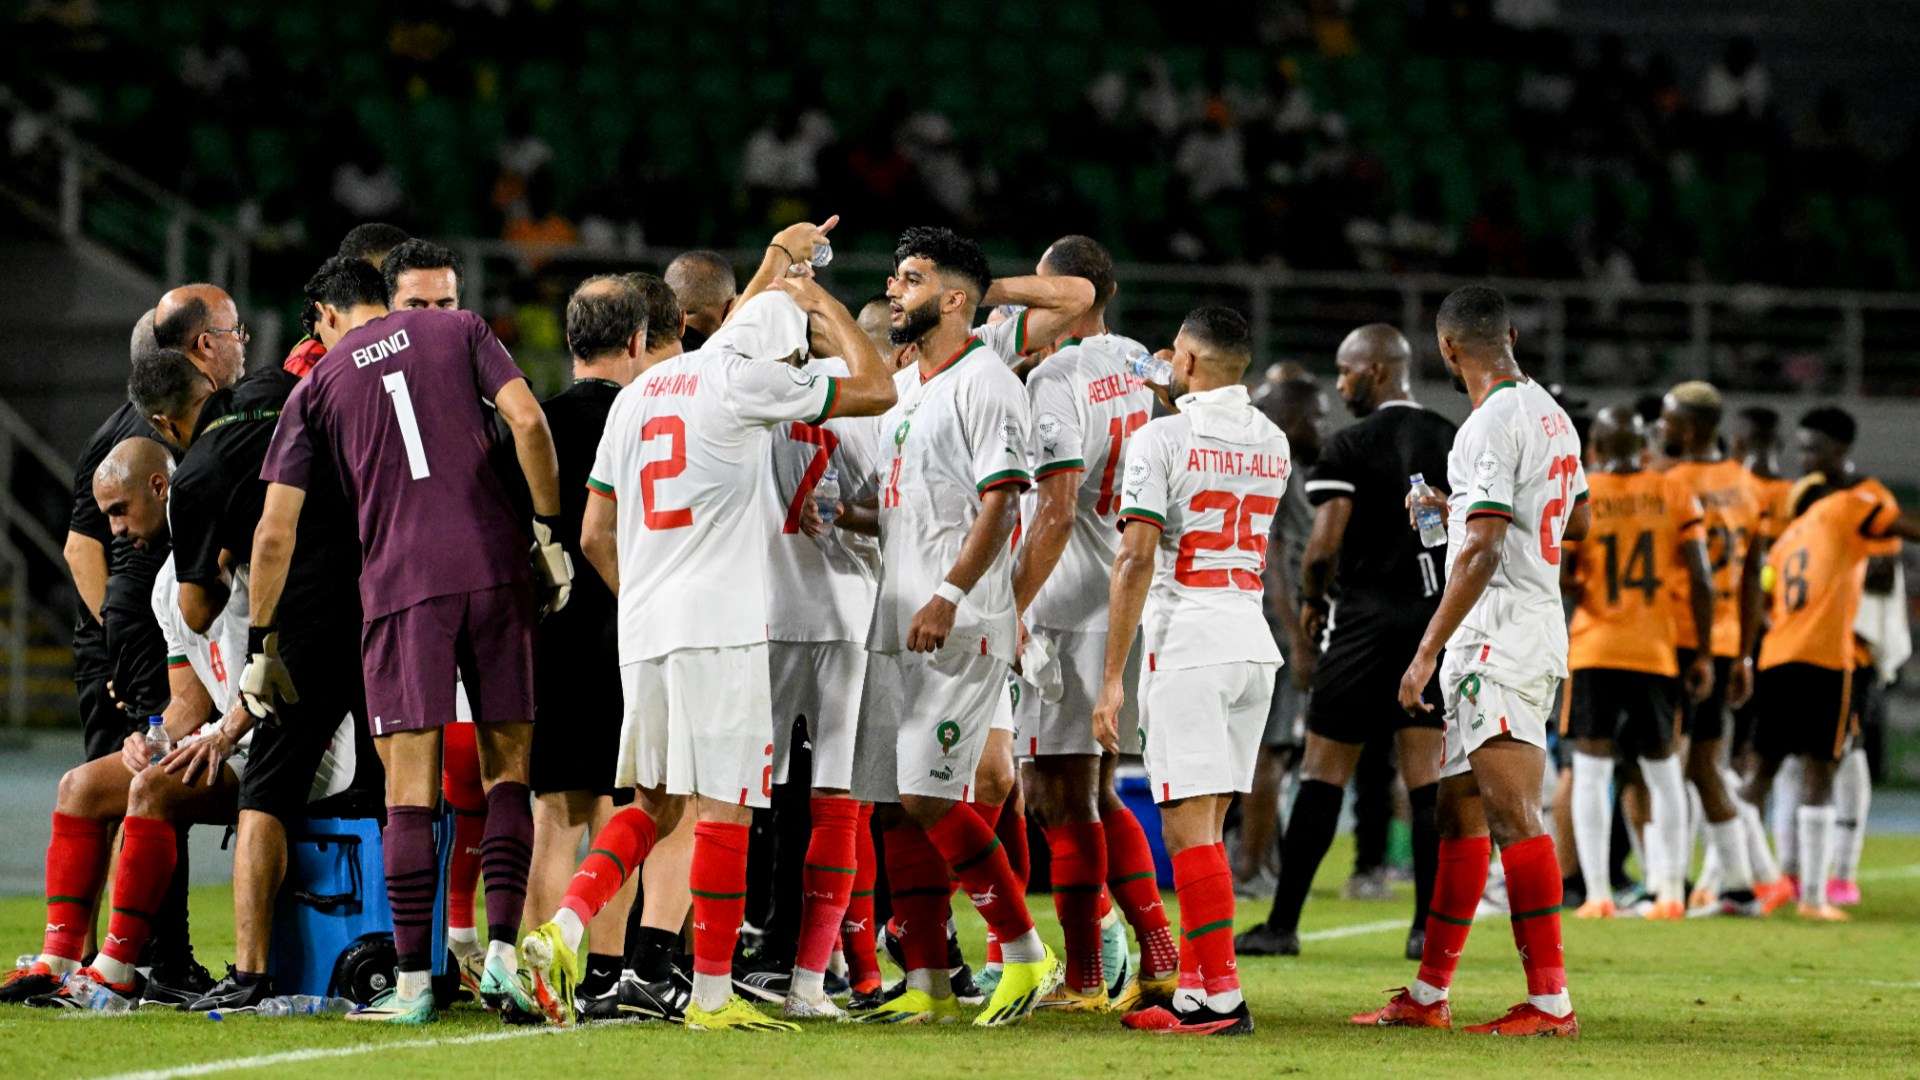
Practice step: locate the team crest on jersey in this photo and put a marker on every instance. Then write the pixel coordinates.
(1013, 691)
(947, 734)
(900, 433)
(1136, 476)
(1470, 689)
(801, 378)
(1048, 428)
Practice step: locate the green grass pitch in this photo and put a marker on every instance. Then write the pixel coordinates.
(1704, 998)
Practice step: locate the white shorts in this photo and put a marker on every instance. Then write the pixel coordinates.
(1066, 726)
(1006, 713)
(924, 723)
(821, 681)
(1202, 727)
(1477, 708)
(697, 722)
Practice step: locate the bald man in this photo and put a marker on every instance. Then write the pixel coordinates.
(1387, 587)
(704, 283)
(202, 321)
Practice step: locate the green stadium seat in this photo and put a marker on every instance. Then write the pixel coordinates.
(210, 148)
(271, 161)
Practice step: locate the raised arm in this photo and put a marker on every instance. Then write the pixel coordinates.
(868, 388)
(790, 246)
(1053, 304)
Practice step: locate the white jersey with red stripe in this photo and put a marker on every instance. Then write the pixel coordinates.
(1211, 478)
(1516, 457)
(953, 436)
(685, 456)
(820, 588)
(1086, 405)
(216, 656)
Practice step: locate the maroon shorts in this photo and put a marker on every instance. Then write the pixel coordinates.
(413, 656)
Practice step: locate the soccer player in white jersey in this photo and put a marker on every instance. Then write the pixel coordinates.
(1087, 404)
(944, 630)
(1200, 491)
(680, 535)
(1518, 489)
(820, 602)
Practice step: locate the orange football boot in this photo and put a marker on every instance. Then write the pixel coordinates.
(1598, 908)
(1524, 1020)
(1403, 1011)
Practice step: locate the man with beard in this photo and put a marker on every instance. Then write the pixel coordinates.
(1389, 586)
(703, 282)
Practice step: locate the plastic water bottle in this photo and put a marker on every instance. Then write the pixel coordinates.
(1433, 526)
(159, 743)
(1152, 369)
(304, 1005)
(821, 257)
(826, 496)
(97, 997)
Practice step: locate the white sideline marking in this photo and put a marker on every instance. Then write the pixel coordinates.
(318, 1053)
(1355, 930)
(1889, 873)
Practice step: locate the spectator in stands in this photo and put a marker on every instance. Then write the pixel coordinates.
(1737, 86)
(780, 163)
(539, 224)
(365, 184)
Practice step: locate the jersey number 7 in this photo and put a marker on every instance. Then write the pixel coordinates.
(824, 443)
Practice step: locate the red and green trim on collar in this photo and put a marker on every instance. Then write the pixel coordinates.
(1003, 478)
(826, 410)
(602, 489)
(959, 354)
(1489, 508)
(1135, 513)
(1054, 467)
(1503, 384)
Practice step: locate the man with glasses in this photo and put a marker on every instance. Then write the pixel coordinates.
(203, 322)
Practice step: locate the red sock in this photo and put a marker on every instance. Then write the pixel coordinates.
(1459, 878)
(1533, 895)
(989, 812)
(1012, 831)
(618, 850)
(1079, 873)
(856, 927)
(1131, 880)
(826, 879)
(719, 894)
(917, 880)
(460, 786)
(76, 865)
(971, 849)
(139, 885)
(1205, 887)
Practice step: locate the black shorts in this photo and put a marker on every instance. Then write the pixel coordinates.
(1804, 709)
(104, 726)
(1356, 685)
(1635, 710)
(325, 667)
(1703, 721)
(577, 708)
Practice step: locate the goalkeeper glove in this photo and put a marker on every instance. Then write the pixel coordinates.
(552, 568)
(265, 684)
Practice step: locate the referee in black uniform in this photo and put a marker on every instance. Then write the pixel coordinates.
(1388, 588)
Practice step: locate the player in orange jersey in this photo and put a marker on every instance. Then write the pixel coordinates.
(1622, 689)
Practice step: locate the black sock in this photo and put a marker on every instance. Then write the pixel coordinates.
(248, 978)
(602, 971)
(1426, 848)
(1372, 807)
(650, 953)
(1316, 813)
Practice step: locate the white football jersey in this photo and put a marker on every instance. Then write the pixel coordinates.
(953, 436)
(1516, 457)
(1008, 337)
(1086, 405)
(1211, 478)
(216, 656)
(820, 588)
(684, 455)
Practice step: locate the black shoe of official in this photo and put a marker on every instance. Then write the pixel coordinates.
(965, 990)
(860, 1001)
(763, 978)
(173, 985)
(1416, 943)
(1205, 1021)
(625, 1001)
(835, 984)
(231, 995)
(658, 999)
(1264, 940)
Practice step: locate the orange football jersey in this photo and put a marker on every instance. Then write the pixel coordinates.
(1641, 520)
(1733, 512)
(1817, 572)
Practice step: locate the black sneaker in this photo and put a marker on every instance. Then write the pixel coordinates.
(27, 982)
(835, 984)
(763, 978)
(1264, 940)
(659, 999)
(1205, 1021)
(618, 1003)
(964, 988)
(860, 1001)
(173, 985)
(231, 995)
(1416, 944)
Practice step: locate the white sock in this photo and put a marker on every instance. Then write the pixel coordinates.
(1728, 842)
(1852, 796)
(710, 992)
(111, 970)
(1025, 949)
(1110, 918)
(463, 940)
(411, 984)
(60, 965)
(1759, 854)
(808, 985)
(1667, 796)
(571, 928)
(1425, 994)
(1592, 805)
(1786, 799)
(1225, 1001)
(505, 953)
(1709, 880)
(934, 981)
(1696, 822)
(1815, 824)
(837, 963)
(1559, 1004)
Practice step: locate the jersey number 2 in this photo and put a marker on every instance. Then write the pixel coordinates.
(674, 430)
(1236, 531)
(396, 384)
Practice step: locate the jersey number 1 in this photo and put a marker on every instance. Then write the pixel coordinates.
(396, 384)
